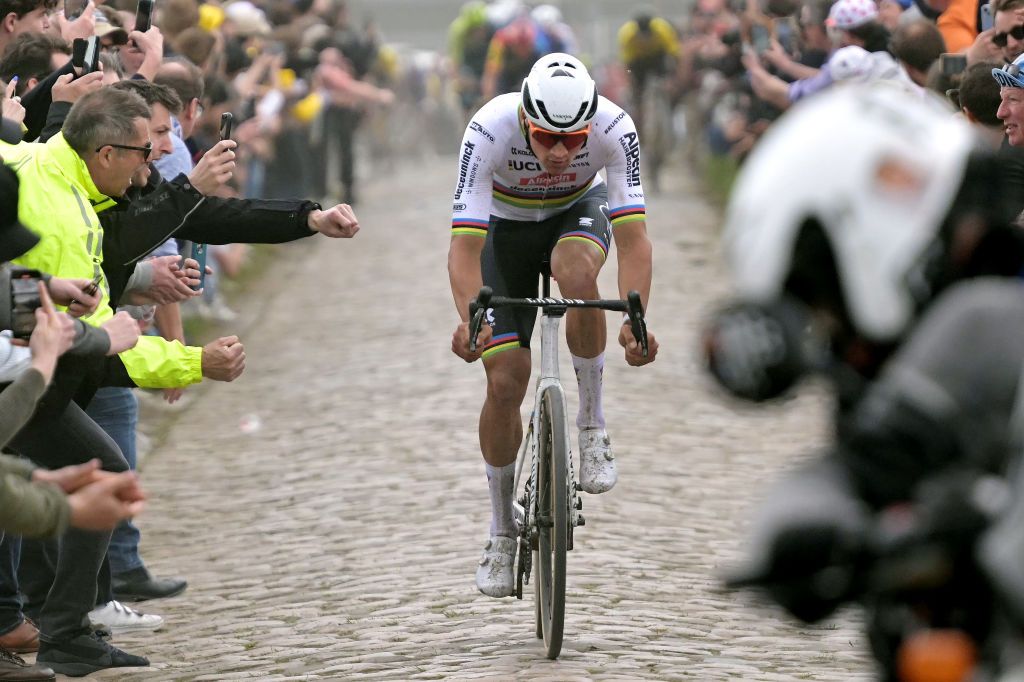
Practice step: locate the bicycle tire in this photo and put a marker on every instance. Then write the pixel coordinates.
(657, 137)
(552, 518)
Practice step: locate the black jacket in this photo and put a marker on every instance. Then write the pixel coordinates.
(147, 217)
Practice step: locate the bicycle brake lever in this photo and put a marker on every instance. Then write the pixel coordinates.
(477, 309)
(636, 320)
(474, 328)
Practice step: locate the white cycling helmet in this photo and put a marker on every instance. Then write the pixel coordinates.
(558, 94)
(546, 15)
(877, 167)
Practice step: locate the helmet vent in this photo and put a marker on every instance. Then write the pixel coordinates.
(528, 101)
(561, 72)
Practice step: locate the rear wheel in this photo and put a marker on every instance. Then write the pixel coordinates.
(552, 519)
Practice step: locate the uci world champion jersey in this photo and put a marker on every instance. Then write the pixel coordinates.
(499, 174)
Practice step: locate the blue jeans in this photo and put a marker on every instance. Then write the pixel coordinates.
(116, 410)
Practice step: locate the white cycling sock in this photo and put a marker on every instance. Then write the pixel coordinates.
(500, 481)
(589, 373)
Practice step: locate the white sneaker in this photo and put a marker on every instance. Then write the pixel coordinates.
(597, 463)
(494, 575)
(120, 618)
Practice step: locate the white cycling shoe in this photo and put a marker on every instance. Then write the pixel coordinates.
(597, 463)
(495, 574)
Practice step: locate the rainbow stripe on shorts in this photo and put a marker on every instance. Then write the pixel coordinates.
(501, 343)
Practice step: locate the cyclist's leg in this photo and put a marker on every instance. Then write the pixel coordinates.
(578, 255)
(510, 269)
(577, 258)
(510, 264)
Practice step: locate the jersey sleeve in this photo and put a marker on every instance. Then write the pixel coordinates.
(666, 36)
(471, 203)
(625, 191)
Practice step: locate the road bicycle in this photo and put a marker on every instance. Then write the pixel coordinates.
(656, 127)
(548, 504)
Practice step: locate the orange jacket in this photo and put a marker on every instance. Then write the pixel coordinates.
(959, 24)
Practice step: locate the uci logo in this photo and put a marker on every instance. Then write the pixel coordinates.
(459, 207)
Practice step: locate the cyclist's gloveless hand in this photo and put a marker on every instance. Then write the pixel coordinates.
(634, 355)
(460, 341)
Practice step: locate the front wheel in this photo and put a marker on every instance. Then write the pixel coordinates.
(552, 518)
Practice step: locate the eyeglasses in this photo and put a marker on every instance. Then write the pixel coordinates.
(1000, 38)
(548, 139)
(146, 150)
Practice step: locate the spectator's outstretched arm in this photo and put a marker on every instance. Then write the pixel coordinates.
(133, 232)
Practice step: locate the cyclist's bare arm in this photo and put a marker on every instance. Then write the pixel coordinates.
(635, 269)
(464, 271)
(465, 279)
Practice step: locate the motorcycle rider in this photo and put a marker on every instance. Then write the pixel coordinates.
(886, 256)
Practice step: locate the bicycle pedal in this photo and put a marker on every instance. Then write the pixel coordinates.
(580, 521)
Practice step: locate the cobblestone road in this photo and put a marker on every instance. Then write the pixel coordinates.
(338, 542)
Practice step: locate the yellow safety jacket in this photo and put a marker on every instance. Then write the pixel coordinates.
(59, 201)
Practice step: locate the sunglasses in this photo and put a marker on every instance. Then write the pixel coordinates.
(548, 139)
(146, 150)
(1000, 38)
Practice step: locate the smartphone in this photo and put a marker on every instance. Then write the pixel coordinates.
(761, 38)
(85, 54)
(78, 48)
(92, 54)
(226, 119)
(987, 19)
(952, 64)
(93, 286)
(74, 8)
(144, 15)
(199, 255)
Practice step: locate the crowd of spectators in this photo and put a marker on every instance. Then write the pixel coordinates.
(740, 64)
(116, 167)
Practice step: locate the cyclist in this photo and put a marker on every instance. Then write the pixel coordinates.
(528, 191)
(513, 49)
(468, 39)
(648, 46)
